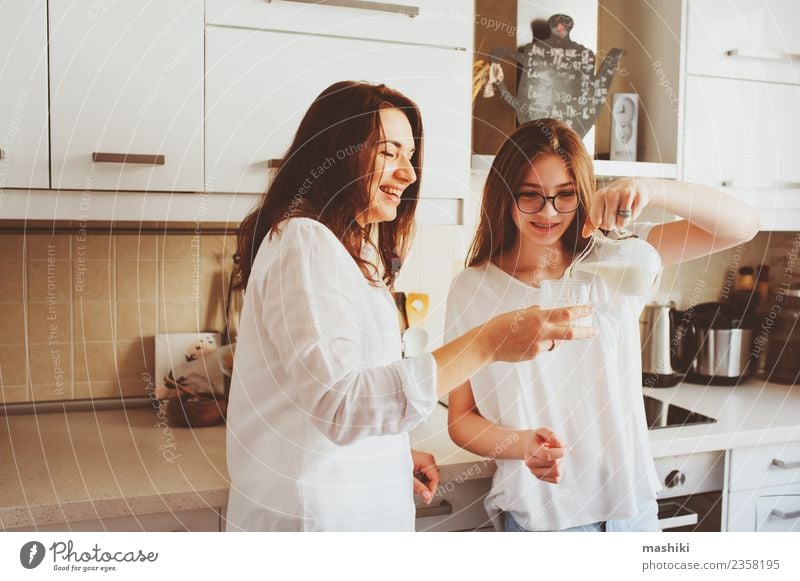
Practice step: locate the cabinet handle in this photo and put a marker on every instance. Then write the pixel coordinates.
(147, 159)
(786, 465)
(410, 11)
(2, 154)
(777, 513)
(761, 185)
(763, 54)
(274, 163)
(440, 509)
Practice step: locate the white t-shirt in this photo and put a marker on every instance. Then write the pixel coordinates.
(321, 402)
(589, 392)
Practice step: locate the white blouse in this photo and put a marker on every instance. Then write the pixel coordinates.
(589, 392)
(321, 402)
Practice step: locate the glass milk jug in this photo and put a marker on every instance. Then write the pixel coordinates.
(628, 264)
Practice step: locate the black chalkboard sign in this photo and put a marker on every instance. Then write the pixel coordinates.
(558, 78)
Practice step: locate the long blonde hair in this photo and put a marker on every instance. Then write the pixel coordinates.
(529, 143)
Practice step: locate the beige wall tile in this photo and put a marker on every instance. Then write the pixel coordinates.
(136, 319)
(213, 281)
(93, 321)
(220, 247)
(11, 282)
(133, 387)
(11, 247)
(51, 364)
(49, 281)
(13, 365)
(46, 246)
(180, 317)
(93, 281)
(136, 281)
(96, 390)
(12, 323)
(179, 246)
(180, 280)
(136, 246)
(50, 322)
(52, 392)
(136, 358)
(14, 394)
(93, 247)
(95, 362)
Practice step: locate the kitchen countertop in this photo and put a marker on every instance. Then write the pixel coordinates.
(79, 466)
(92, 465)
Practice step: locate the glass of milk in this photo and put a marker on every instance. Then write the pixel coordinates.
(566, 293)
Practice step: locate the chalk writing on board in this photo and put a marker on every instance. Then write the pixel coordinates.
(558, 78)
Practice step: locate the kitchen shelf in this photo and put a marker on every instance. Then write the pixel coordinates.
(605, 168)
(105, 206)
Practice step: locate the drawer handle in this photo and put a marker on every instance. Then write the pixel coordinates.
(761, 185)
(786, 465)
(99, 157)
(274, 163)
(763, 54)
(440, 509)
(777, 513)
(410, 11)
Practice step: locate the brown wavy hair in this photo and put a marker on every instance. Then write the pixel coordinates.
(529, 143)
(325, 176)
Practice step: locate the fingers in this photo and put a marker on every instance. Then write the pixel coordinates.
(547, 436)
(567, 333)
(421, 490)
(432, 474)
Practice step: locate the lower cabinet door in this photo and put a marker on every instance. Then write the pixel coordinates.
(772, 509)
(200, 520)
(458, 508)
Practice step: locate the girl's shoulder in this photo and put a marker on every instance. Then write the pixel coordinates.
(301, 238)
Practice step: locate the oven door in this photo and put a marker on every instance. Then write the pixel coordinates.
(691, 499)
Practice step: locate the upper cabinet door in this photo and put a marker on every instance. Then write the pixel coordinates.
(429, 22)
(23, 95)
(744, 136)
(126, 95)
(260, 84)
(744, 39)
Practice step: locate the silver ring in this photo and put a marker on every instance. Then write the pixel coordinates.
(552, 344)
(625, 213)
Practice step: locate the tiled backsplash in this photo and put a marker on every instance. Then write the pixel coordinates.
(79, 312)
(703, 279)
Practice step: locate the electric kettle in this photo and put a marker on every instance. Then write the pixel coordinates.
(666, 344)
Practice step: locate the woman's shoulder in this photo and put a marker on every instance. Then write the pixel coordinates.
(302, 236)
(470, 279)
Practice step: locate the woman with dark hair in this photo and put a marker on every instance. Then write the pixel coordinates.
(539, 205)
(321, 402)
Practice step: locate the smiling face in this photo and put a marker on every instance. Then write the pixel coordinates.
(393, 171)
(548, 177)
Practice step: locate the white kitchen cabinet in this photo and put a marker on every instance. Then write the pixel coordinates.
(24, 161)
(430, 22)
(743, 137)
(764, 488)
(198, 520)
(259, 84)
(744, 39)
(126, 95)
(458, 508)
(773, 509)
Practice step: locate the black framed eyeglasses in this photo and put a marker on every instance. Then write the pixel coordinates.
(531, 202)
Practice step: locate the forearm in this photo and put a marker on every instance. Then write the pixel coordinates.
(715, 212)
(478, 435)
(460, 359)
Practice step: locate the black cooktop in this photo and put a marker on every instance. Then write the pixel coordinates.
(667, 415)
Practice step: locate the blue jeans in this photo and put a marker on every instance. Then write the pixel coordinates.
(645, 521)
